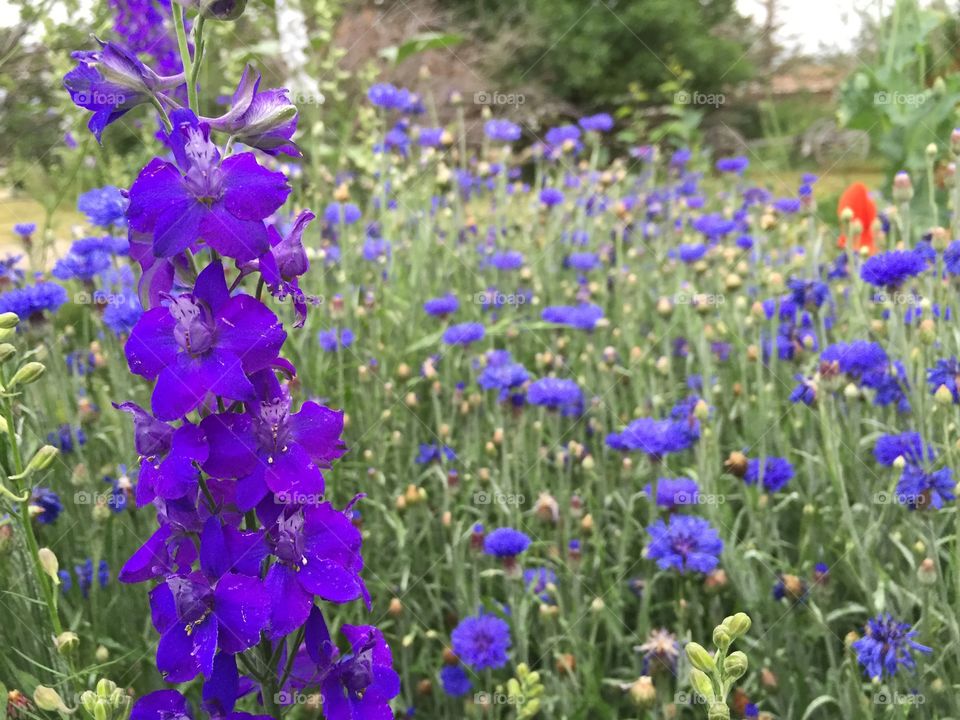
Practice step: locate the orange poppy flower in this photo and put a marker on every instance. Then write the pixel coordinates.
(857, 198)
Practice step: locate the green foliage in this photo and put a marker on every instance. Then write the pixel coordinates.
(907, 98)
(589, 52)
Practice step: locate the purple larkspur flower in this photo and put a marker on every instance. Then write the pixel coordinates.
(263, 119)
(270, 448)
(110, 82)
(222, 201)
(203, 342)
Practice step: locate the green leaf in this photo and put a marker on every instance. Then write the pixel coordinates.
(396, 54)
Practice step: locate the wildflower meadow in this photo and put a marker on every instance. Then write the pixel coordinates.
(369, 404)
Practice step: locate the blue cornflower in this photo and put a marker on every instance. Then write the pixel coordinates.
(332, 340)
(856, 358)
(774, 472)
(346, 213)
(46, 504)
(84, 575)
(481, 641)
(907, 445)
(601, 122)
(582, 261)
(805, 391)
(104, 207)
(388, 96)
(672, 492)
(464, 333)
(714, 225)
(951, 258)
(103, 573)
(655, 437)
(689, 252)
(25, 230)
(83, 267)
(685, 543)
(551, 196)
(736, 165)
(918, 488)
(556, 394)
(33, 299)
(502, 374)
(887, 645)
(430, 137)
(787, 206)
(808, 293)
(944, 373)
(434, 453)
(455, 681)
(506, 260)
(891, 269)
(375, 248)
(441, 306)
(501, 130)
(505, 543)
(123, 311)
(583, 317)
(538, 581)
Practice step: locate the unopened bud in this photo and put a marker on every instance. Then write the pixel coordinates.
(735, 665)
(700, 658)
(8, 320)
(48, 699)
(50, 564)
(26, 374)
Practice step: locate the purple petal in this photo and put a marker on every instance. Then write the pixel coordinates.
(160, 705)
(232, 445)
(182, 655)
(242, 240)
(152, 345)
(317, 429)
(151, 560)
(289, 604)
(242, 607)
(252, 192)
(247, 328)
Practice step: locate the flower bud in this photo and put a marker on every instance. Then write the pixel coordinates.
(927, 572)
(642, 692)
(721, 638)
(50, 564)
(27, 374)
(700, 658)
(216, 9)
(943, 396)
(738, 625)
(702, 684)
(48, 699)
(66, 642)
(735, 665)
(8, 320)
(42, 459)
(7, 351)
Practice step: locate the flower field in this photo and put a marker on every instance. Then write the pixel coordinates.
(520, 427)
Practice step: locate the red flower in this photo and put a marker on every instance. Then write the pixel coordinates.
(857, 198)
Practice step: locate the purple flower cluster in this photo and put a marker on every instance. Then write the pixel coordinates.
(247, 540)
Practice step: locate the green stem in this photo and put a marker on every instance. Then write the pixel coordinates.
(188, 71)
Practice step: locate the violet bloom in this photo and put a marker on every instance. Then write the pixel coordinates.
(287, 260)
(201, 343)
(110, 82)
(224, 605)
(318, 553)
(171, 705)
(222, 201)
(358, 684)
(270, 448)
(264, 120)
